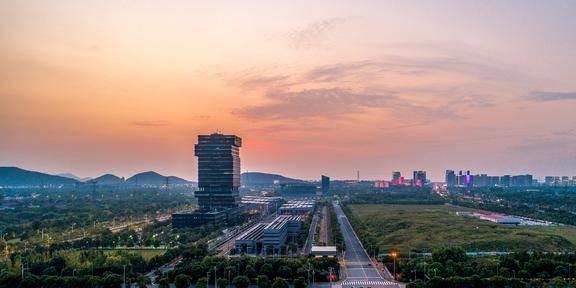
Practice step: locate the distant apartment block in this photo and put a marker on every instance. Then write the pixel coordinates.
(466, 179)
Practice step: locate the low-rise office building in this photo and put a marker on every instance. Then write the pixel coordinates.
(298, 207)
(274, 234)
(250, 242)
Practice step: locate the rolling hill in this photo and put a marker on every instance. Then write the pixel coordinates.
(153, 178)
(108, 179)
(17, 177)
(259, 178)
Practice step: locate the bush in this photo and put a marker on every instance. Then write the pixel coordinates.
(279, 283)
(182, 281)
(202, 283)
(263, 282)
(241, 282)
(300, 282)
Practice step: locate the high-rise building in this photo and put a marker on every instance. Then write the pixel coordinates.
(396, 176)
(521, 181)
(505, 181)
(218, 171)
(419, 178)
(325, 185)
(218, 182)
(469, 179)
(450, 178)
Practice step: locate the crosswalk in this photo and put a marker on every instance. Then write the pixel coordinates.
(368, 284)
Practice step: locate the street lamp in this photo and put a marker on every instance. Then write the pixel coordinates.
(394, 254)
(215, 278)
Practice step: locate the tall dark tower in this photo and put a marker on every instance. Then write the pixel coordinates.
(218, 171)
(218, 183)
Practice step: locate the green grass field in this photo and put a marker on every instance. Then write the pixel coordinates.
(426, 227)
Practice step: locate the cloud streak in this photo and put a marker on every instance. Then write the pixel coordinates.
(313, 34)
(310, 103)
(346, 88)
(151, 123)
(547, 96)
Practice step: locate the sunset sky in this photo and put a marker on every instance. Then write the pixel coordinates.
(312, 87)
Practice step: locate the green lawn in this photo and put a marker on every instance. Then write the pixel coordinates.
(426, 227)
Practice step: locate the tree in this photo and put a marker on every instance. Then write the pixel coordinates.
(222, 283)
(142, 281)
(29, 281)
(9, 279)
(164, 283)
(267, 270)
(285, 272)
(182, 281)
(417, 284)
(112, 280)
(263, 282)
(250, 272)
(454, 254)
(202, 283)
(300, 282)
(279, 283)
(241, 282)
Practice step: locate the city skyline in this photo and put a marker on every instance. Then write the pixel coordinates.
(312, 88)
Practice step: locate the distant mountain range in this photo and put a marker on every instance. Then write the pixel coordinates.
(108, 179)
(72, 176)
(264, 179)
(17, 177)
(153, 178)
(14, 176)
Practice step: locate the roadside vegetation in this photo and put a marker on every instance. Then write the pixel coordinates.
(451, 267)
(39, 215)
(423, 228)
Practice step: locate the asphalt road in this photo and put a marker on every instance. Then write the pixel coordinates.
(310, 238)
(324, 226)
(359, 270)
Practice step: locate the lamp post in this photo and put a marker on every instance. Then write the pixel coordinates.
(313, 272)
(308, 271)
(330, 276)
(394, 254)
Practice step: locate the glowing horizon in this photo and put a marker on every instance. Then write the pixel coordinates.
(329, 87)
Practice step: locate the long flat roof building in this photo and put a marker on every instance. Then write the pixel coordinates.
(298, 207)
(275, 234)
